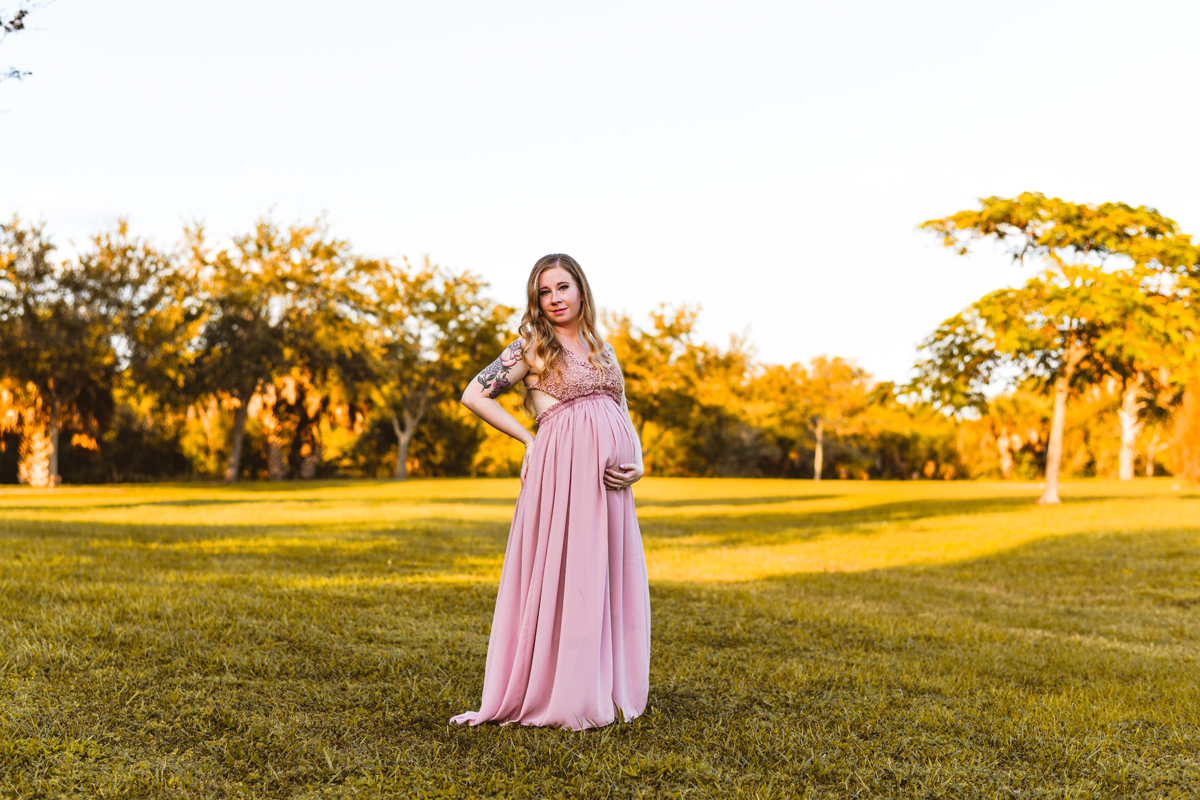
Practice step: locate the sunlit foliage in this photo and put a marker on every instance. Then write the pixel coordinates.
(283, 353)
(1116, 299)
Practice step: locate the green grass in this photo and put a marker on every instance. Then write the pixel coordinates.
(832, 640)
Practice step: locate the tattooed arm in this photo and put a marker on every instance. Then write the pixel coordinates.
(481, 393)
(498, 376)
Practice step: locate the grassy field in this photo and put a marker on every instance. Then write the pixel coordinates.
(832, 640)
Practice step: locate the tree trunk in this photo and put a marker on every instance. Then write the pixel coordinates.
(404, 435)
(1004, 445)
(1153, 448)
(306, 451)
(1187, 431)
(209, 413)
(273, 428)
(234, 467)
(55, 428)
(1131, 427)
(403, 440)
(819, 454)
(276, 470)
(307, 447)
(33, 468)
(1055, 450)
(310, 460)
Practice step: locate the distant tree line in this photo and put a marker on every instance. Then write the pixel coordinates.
(283, 354)
(271, 355)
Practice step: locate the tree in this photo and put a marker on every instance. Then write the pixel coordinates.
(833, 393)
(658, 389)
(1042, 331)
(1064, 329)
(137, 289)
(777, 410)
(266, 302)
(29, 304)
(686, 397)
(70, 329)
(1187, 432)
(1059, 327)
(1013, 422)
(802, 405)
(21, 413)
(909, 439)
(1148, 346)
(327, 366)
(431, 332)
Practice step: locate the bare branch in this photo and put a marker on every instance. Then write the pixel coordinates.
(13, 21)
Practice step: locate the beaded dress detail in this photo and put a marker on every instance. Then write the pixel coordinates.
(570, 639)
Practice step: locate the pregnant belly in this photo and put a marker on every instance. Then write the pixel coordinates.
(619, 442)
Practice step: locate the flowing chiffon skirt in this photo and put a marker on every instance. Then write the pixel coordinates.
(570, 640)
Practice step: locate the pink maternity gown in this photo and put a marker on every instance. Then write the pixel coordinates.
(570, 641)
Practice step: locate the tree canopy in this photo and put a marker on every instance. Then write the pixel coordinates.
(431, 332)
(283, 353)
(1115, 297)
(68, 329)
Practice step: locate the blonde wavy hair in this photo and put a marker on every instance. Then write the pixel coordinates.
(541, 342)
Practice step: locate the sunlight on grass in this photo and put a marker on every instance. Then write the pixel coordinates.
(832, 640)
(694, 531)
(881, 543)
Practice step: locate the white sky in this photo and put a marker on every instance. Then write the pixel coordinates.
(768, 161)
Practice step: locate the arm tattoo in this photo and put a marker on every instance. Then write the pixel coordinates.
(494, 378)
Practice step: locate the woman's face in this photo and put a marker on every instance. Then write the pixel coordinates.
(559, 296)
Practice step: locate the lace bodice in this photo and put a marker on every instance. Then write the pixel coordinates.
(577, 377)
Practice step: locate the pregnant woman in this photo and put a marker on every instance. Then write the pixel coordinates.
(570, 642)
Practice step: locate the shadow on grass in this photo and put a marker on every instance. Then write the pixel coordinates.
(61, 507)
(786, 525)
(735, 501)
(737, 521)
(360, 552)
(1108, 592)
(703, 501)
(1015, 672)
(1125, 567)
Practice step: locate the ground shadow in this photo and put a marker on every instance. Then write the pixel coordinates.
(781, 526)
(707, 501)
(1011, 661)
(366, 550)
(60, 507)
(735, 501)
(1108, 592)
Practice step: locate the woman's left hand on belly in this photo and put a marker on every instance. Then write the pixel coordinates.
(622, 476)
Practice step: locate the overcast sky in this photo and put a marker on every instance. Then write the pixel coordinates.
(768, 161)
